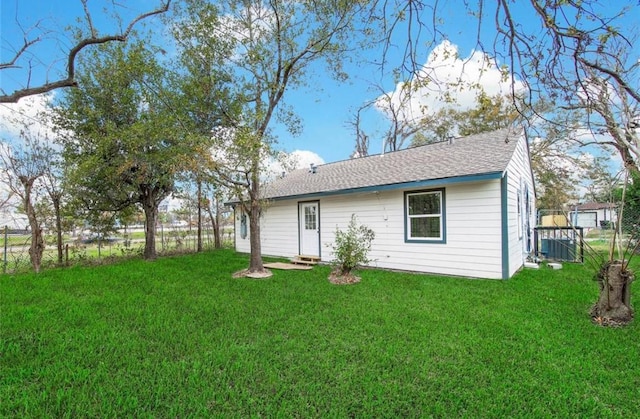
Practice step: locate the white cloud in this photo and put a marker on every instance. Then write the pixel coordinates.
(286, 162)
(451, 81)
(27, 112)
(304, 158)
(230, 153)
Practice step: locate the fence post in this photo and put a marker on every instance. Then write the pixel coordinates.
(6, 237)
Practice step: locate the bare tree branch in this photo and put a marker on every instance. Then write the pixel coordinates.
(69, 80)
(27, 43)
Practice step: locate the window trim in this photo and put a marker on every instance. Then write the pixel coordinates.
(519, 202)
(443, 217)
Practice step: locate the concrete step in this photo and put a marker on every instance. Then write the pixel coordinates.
(305, 260)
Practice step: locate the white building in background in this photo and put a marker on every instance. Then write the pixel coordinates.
(594, 214)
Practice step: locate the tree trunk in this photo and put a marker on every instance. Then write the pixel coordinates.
(150, 208)
(199, 245)
(58, 213)
(217, 231)
(215, 223)
(614, 304)
(36, 249)
(255, 262)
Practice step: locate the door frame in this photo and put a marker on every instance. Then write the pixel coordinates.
(300, 204)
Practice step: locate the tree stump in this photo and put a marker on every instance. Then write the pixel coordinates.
(613, 307)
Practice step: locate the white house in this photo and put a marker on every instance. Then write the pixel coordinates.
(594, 214)
(464, 207)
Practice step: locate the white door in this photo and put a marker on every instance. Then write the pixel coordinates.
(309, 229)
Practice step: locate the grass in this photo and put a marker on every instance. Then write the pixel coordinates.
(179, 337)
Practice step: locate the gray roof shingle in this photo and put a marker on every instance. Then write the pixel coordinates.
(473, 155)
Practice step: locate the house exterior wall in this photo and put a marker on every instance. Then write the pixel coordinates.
(519, 222)
(472, 217)
(485, 225)
(278, 229)
(473, 230)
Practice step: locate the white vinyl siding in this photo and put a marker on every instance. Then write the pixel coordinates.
(472, 223)
(278, 230)
(519, 179)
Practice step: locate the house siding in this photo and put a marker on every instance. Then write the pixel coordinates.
(519, 178)
(585, 218)
(472, 245)
(473, 226)
(278, 230)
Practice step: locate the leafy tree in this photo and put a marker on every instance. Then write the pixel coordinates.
(22, 167)
(119, 136)
(272, 46)
(215, 209)
(558, 161)
(205, 103)
(53, 183)
(402, 124)
(413, 125)
(630, 197)
(577, 53)
(490, 114)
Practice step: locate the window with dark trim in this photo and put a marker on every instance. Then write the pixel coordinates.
(425, 216)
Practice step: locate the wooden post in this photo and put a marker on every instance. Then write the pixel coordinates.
(6, 237)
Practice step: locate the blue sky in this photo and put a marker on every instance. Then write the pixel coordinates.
(324, 105)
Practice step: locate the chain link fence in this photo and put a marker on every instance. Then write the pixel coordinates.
(594, 225)
(84, 247)
(630, 224)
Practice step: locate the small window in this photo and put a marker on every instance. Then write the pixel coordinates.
(425, 216)
(310, 218)
(243, 226)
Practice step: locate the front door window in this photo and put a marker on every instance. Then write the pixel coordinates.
(310, 221)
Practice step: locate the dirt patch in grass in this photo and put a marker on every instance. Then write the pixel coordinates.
(609, 322)
(336, 278)
(245, 273)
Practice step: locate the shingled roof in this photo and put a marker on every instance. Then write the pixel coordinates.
(486, 153)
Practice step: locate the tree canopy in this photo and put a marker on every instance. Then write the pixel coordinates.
(579, 55)
(119, 134)
(256, 52)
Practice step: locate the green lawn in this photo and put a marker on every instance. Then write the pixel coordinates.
(179, 337)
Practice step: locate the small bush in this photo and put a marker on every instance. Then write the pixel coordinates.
(352, 246)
